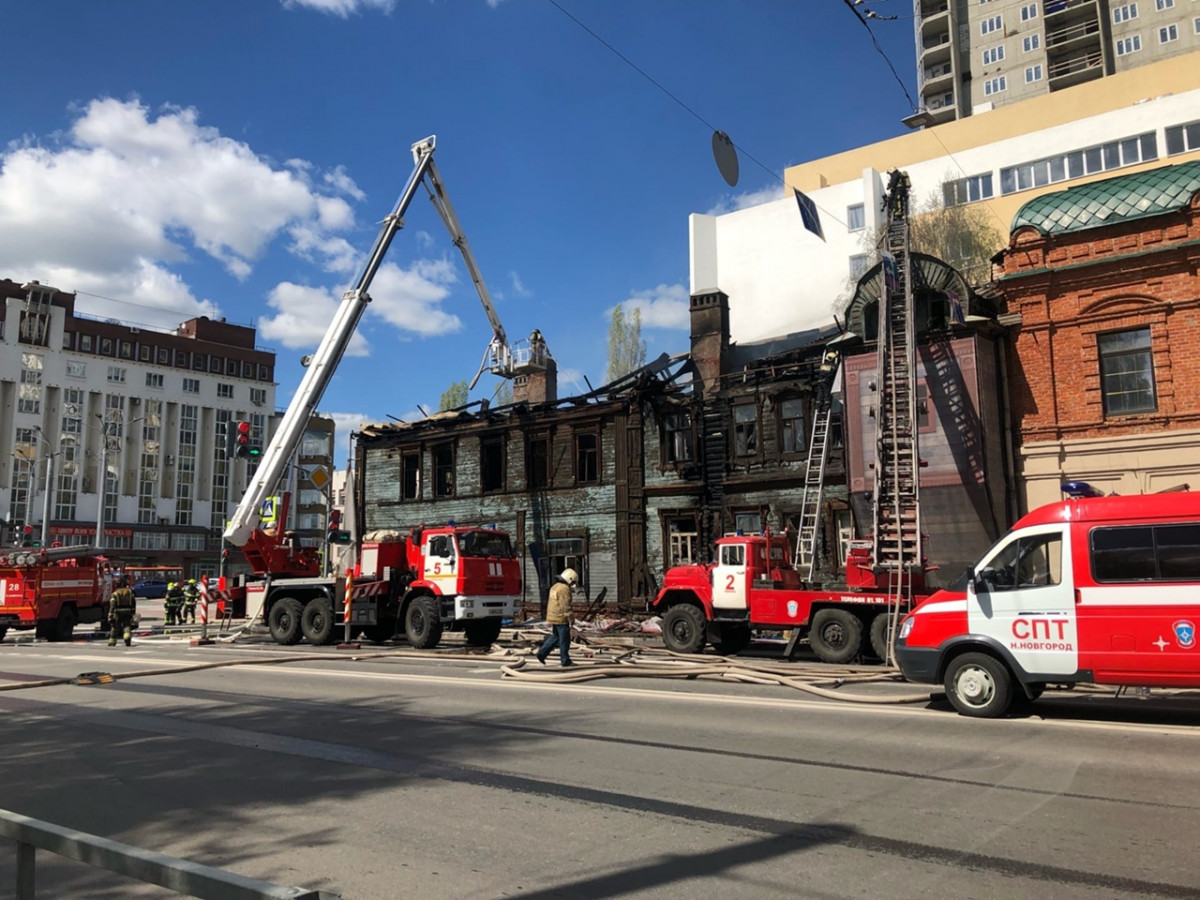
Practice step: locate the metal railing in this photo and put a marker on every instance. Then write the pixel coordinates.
(179, 875)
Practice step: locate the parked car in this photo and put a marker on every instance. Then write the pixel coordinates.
(150, 589)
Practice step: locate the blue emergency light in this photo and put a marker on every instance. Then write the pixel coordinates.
(1077, 490)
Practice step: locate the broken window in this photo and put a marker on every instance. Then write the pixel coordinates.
(538, 463)
(443, 469)
(677, 437)
(745, 430)
(410, 476)
(491, 464)
(683, 540)
(791, 425)
(587, 458)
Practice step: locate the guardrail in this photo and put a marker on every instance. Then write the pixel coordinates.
(179, 875)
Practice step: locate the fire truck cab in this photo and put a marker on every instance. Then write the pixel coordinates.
(50, 590)
(1104, 590)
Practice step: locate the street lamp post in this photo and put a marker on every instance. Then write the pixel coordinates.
(50, 454)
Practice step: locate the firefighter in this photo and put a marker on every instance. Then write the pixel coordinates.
(191, 594)
(122, 610)
(173, 604)
(559, 618)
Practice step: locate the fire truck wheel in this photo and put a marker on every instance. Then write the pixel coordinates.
(732, 639)
(836, 635)
(483, 633)
(978, 685)
(316, 622)
(880, 633)
(284, 620)
(64, 625)
(683, 628)
(423, 623)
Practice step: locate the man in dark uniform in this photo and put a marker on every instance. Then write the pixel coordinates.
(191, 594)
(122, 607)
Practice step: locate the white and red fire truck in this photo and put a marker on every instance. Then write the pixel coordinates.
(418, 583)
(1095, 589)
(754, 585)
(50, 590)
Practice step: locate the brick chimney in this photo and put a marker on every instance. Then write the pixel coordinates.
(710, 338)
(537, 386)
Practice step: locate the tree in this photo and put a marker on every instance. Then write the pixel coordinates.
(964, 235)
(626, 349)
(503, 394)
(454, 396)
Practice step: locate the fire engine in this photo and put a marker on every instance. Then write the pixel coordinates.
(757, 583)
(416, 583)
(1097, 589)
(50, 590)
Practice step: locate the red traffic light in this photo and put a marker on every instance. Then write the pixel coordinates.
(335, 519)
(244, 429)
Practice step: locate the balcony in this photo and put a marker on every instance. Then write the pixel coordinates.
(1076, 69)
(935, 49)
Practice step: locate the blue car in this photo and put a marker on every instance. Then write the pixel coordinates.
(150, 589)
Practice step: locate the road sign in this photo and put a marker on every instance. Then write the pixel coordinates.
(266, 514)
(318, 477)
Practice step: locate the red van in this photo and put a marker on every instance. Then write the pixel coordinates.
(1095, 589)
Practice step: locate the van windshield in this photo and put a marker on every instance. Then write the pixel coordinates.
(484, 543)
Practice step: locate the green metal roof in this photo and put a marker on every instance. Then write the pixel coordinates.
(1112, 200)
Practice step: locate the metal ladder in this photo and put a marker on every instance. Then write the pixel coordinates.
(897, 511)
(814, 481)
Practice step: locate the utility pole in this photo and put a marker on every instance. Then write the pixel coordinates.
(103, 487)
(50, 454)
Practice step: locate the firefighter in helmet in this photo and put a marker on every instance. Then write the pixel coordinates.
(191, 594)
(173, 604)
(122, 612)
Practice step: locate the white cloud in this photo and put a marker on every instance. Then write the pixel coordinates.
(341, 8)
(303, 318)
(126, 195)
(732, 202)
(665, 306)
(411, 298)
(518, 286)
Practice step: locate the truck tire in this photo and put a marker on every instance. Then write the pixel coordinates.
(64, 625)
(3, 631)
(731, 639)
(978, 685)
(284, 620)
(683, 628)
(482, 633)
(836, 635)
(423, 623)
(316, 622)
(880, 635)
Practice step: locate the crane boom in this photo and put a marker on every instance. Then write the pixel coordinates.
(324, 362)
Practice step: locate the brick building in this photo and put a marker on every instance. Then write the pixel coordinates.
(1102, 284)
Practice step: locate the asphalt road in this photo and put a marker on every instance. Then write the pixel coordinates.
(436, 777)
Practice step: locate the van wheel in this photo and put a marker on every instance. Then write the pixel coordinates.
(836, 635)
(423, 623)
(683, 628)
(284, 620)
(482, 633)
(978, 685)
(316, 622)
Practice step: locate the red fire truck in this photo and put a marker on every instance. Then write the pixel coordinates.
(51, 590)
(1094, 589)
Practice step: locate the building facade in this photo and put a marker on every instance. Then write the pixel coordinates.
(781, 278)
(132, 426)
(974, 57)
(1102, 287)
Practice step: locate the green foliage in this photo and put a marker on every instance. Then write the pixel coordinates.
(626, 349)
(504, 393)
(454, 396)
(965, 236)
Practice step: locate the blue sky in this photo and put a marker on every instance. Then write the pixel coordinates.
(234, 157)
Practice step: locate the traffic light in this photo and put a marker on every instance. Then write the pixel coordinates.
(241, 439)
(27, 538)
(336, 535)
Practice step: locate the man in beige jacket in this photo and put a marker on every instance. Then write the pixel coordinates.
(558, 617)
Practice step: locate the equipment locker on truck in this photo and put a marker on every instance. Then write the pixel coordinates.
(1095, 589)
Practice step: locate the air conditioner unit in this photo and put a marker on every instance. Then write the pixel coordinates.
(935, 104)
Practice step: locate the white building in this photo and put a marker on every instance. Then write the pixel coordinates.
(781, 278)
(155, 409)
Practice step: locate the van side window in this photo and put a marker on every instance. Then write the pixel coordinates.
(1146, 553)
(733, 555)
(1030, 562)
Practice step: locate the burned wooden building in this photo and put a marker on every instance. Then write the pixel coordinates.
(645, 473)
